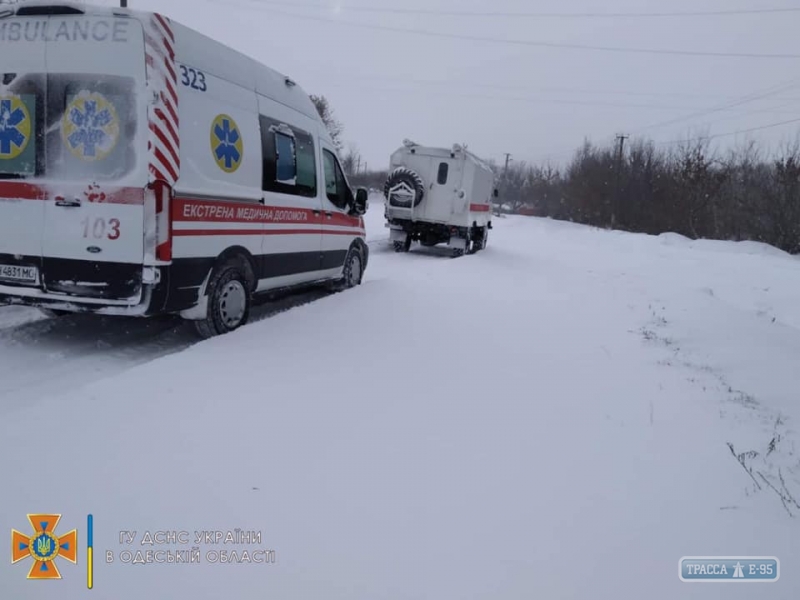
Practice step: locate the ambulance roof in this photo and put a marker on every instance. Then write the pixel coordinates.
(195, 49)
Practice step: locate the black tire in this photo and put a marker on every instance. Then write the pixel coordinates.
(481, 243)
(408, 179)
(353, 272)
(228, 301)
(403, 246)
(53, 314)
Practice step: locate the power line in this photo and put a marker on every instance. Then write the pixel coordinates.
(540, 15)
(516, 42)
(537, 90)
(534, 100)
(560, 156)
(776, 89)
(729, 134)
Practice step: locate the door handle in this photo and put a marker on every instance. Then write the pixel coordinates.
(61, 201)
(317, 213)
(329, 214)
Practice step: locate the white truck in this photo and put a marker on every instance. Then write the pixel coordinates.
(439, 196)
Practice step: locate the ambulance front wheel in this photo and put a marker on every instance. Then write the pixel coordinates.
(353, 271)
(228, 302)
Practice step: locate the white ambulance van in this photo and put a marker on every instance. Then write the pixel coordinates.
(146, 169)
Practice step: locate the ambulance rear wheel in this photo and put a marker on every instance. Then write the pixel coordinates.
(228, 302)
(53, 314)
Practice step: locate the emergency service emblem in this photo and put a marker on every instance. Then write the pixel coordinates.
(226, 143)
(44, 546)
(15, 127)
(90, 126)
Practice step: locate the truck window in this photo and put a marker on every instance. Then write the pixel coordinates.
(288, 163)
(335, 183)
(441, 178)
(68, 127)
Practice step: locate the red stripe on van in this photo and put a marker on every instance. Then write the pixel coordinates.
(172, 113)
(218, 232)
(168, 145)
(338, 218)
(215, 211)
(15, 190)
(167, 29)
(479, 208)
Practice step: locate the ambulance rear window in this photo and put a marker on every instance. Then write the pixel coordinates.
(67, 126)
(21, 110)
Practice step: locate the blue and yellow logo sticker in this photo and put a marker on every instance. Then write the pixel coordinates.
(226, 143)
(90, 126)
(15, 127)
(44, 546)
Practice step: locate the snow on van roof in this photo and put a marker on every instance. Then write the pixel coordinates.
(221, 60)
(441, 150)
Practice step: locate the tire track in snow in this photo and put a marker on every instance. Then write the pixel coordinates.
(46, 356)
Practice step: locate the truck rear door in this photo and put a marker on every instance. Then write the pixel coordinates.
(443, 201)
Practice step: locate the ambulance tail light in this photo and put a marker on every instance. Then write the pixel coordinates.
(163, 224)
(163, 195)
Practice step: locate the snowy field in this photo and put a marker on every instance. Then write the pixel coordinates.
(560, 416)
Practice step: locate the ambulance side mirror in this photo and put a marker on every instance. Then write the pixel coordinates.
(360, 203)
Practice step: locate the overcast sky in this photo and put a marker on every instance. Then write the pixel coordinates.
(535, 102)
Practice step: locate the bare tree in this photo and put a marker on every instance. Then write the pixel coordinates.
(334, 127)
(351, 161)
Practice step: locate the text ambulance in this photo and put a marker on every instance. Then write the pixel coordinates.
(147, 169)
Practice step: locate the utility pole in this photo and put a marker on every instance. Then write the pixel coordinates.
(617, 188)
(505, 178)
(505, 169)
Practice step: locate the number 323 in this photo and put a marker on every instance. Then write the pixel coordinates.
(193, 78)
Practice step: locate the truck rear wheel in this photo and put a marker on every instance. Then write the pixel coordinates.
(228, 302)
(483, 240)
(404, 246)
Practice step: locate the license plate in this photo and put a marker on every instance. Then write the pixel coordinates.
(19, 274)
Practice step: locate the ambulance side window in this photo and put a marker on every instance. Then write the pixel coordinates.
(289, 166)
(286, 163)
(335, 184)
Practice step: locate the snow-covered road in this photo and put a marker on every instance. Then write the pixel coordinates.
(551, 418)
(76, 350)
